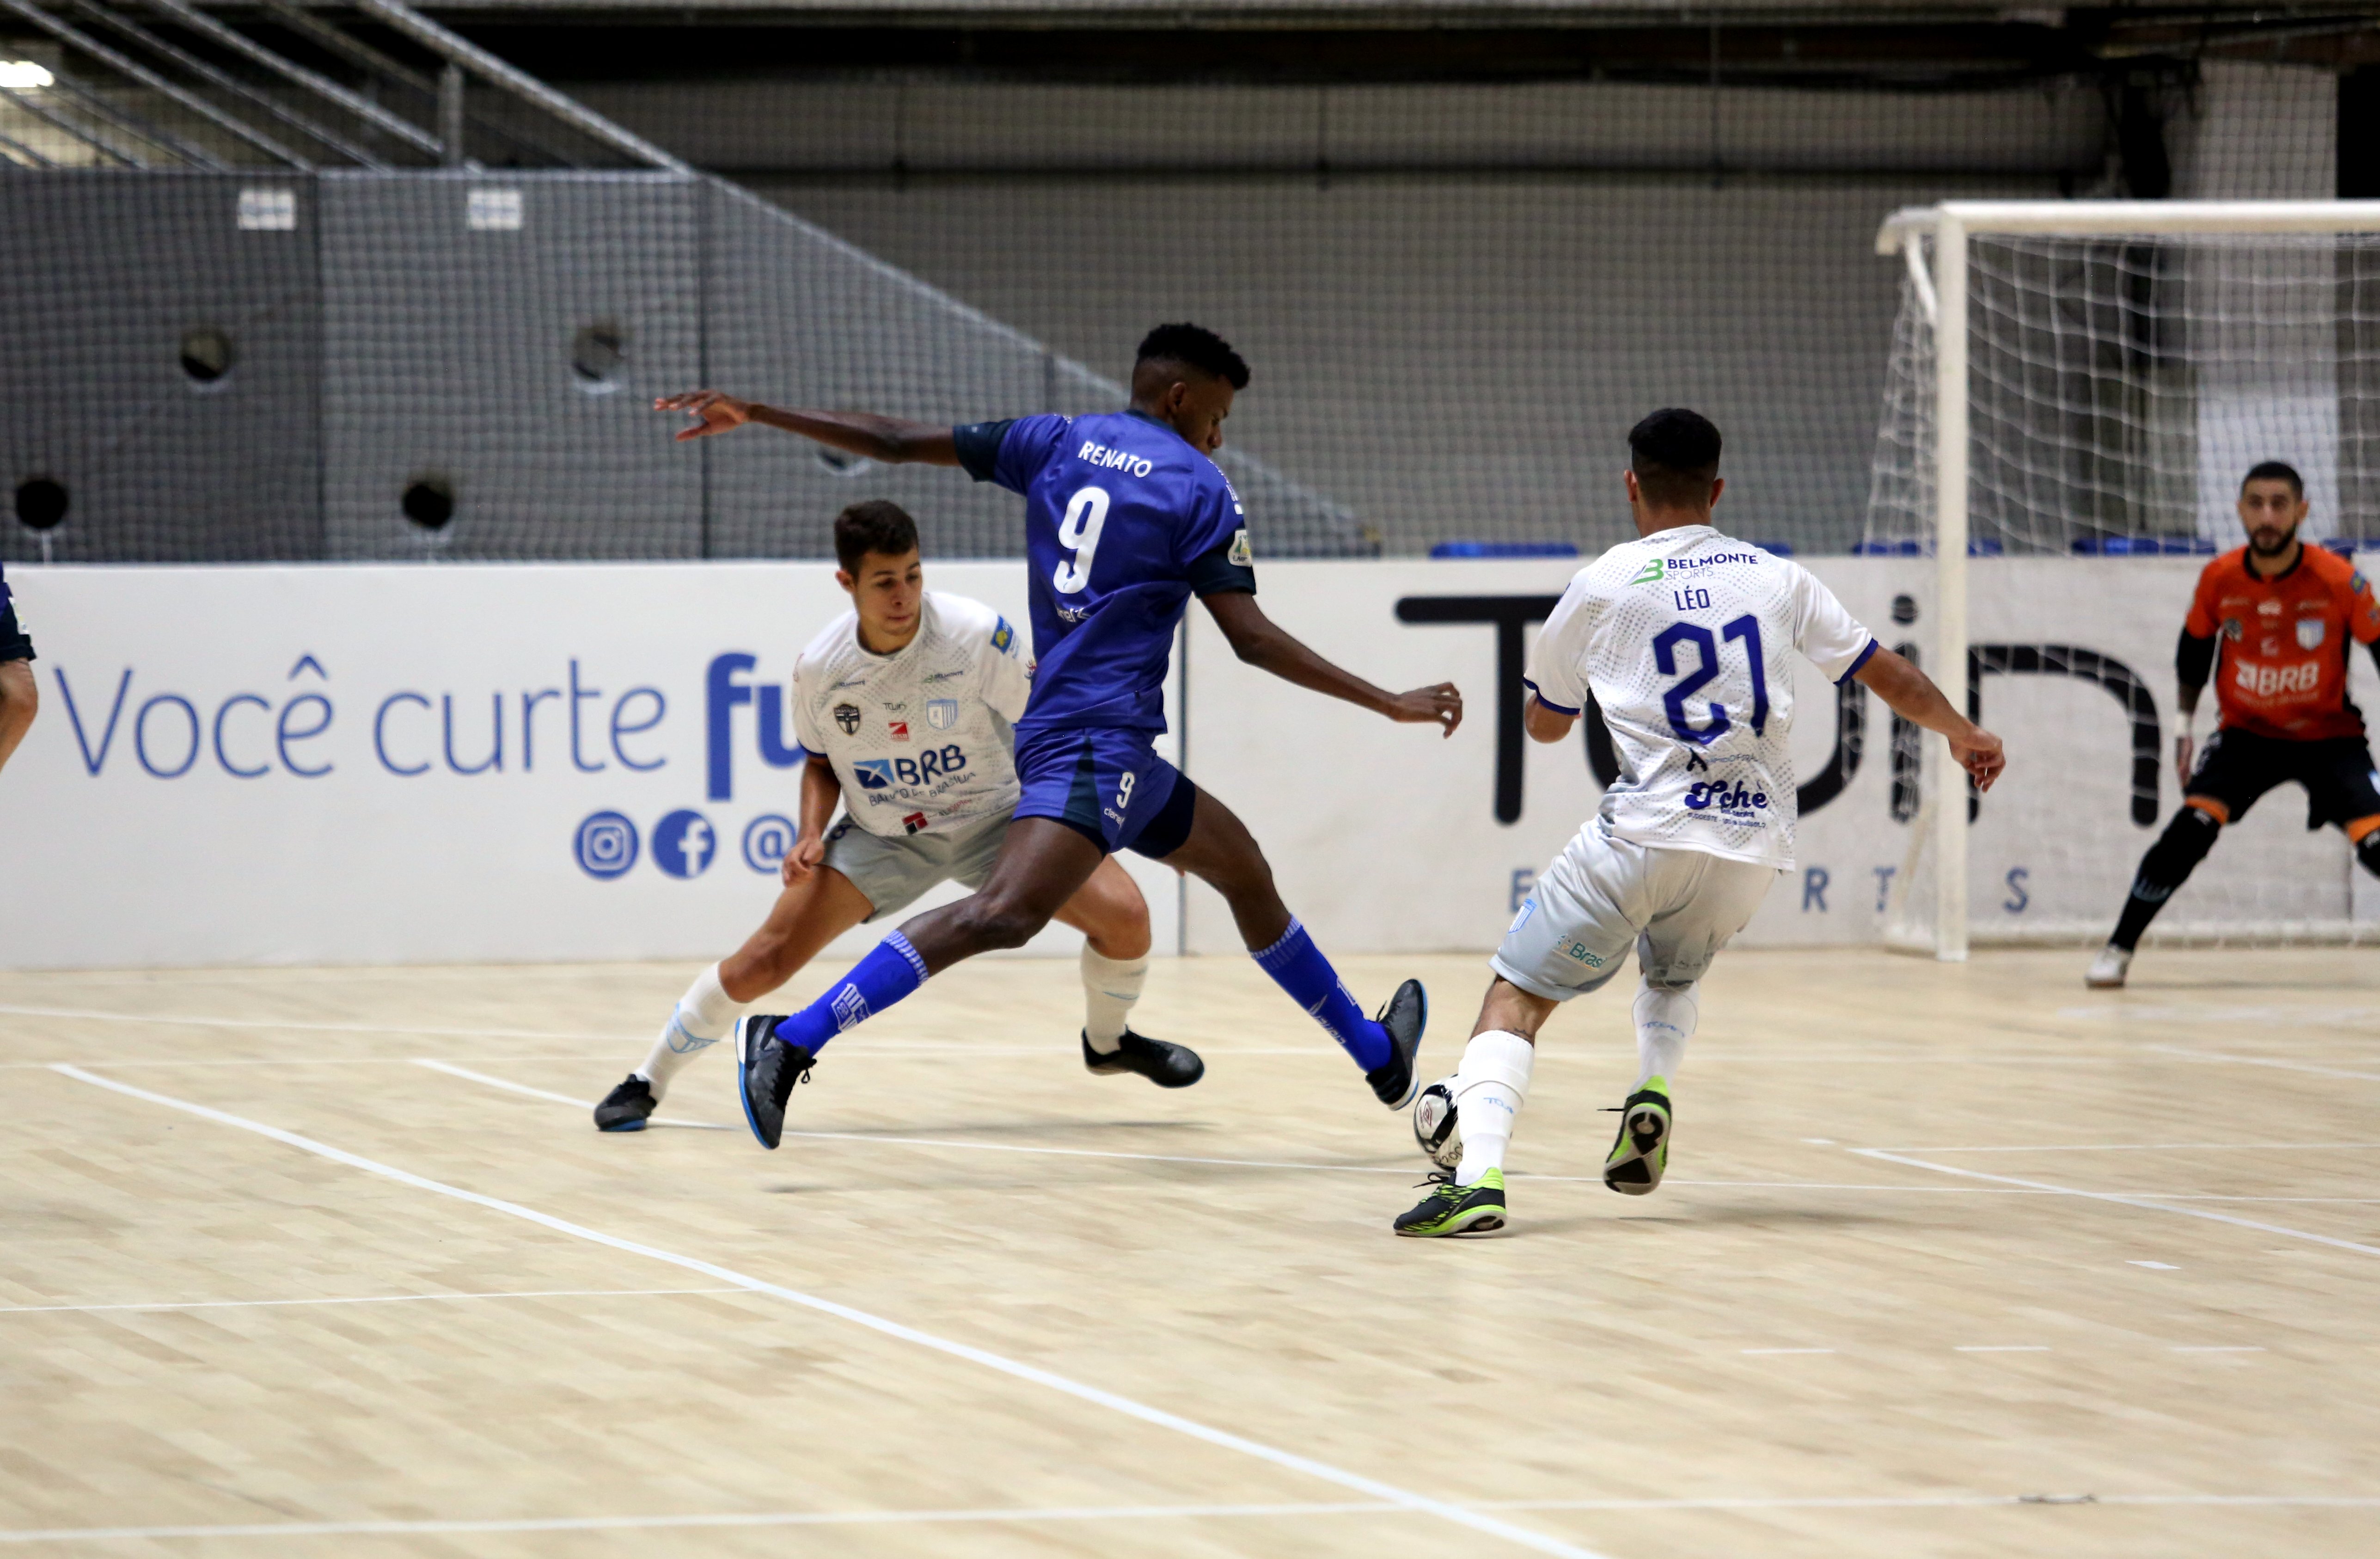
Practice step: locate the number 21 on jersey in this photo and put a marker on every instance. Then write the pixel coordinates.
(1666, 658)
(1086, 515)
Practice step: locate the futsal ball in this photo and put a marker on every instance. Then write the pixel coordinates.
(1435, 1127)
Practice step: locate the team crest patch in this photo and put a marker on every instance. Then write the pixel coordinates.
(847, 716)
(2310, 632)
(941, 713)
(1241, 553)
(1003, 636)
(1653, 573)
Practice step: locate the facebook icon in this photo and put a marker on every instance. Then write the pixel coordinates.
(684, 843)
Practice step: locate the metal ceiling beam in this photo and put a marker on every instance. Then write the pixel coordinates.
(240, 43)
(479, 62)
(25, 99)
(357, 52)
(133, 68)
(123, 118)
(225, 82)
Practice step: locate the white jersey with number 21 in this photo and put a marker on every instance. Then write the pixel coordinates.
(1683, 637)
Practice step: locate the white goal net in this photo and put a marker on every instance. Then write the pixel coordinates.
(2058, 472)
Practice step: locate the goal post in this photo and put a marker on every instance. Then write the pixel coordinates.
(2085, 388)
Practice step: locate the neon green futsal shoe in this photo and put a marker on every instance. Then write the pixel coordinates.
(1450, 1209)
(1642, 1151)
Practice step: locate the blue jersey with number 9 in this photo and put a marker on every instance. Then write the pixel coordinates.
(1123, 522)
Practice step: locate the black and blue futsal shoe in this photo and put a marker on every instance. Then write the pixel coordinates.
(766, 1070)
(1161, 1061)
(1396, 1080)
(627, 1106)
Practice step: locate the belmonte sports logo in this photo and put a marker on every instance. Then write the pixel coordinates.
(1653, 573)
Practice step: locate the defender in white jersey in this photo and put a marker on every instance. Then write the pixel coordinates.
(1683, 640)
(906, 706)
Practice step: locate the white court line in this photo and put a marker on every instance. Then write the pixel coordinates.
(2219, 1057)
(365, 1299)
(636, 1523)
(2002, 1347)
(304, 1027)
(454, 1071)
(528, 1092)
(1288, 1460)
(1788, 1351)
(2216, 1348)
(2146, 1147)
(2165, 1206)
(1142, 1512)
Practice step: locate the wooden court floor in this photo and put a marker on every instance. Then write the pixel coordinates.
(1953, 1262)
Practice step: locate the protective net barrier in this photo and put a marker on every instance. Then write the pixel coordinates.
(292, 283)
(2119, 390)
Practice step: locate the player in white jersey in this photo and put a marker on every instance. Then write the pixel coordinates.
(905, 705)
(1682, 639)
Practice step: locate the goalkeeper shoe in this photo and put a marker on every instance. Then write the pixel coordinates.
(766, 1070)
(1166, 1064)
(1450, 1209)
(626, 1107)
(1395, 1082)
(2108, 970)
(1642, 1151)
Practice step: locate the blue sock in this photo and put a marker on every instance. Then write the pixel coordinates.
(1299, 968)
(890, 971)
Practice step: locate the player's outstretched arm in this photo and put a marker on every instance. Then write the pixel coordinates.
(20, 696)
(820, 791)
(1263, 643)
(888, 439)
(1913, 695)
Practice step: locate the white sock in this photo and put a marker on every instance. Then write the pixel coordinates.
(1110, 986)
(1664, 1021)
(1489, 1089)
(701, 1018)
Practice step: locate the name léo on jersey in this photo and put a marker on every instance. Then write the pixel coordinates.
(921, 740)
(1683, 637)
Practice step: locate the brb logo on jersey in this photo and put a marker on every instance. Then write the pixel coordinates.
(934, 763)
(2267, 681)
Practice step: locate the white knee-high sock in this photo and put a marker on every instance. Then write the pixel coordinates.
(1110, 986)
(1489, 1089)
(701, 1018)
(1664, 1021)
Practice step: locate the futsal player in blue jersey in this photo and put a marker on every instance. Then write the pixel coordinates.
(1126, 517)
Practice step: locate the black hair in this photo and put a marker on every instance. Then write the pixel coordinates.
(1193, 347)
(2274, 471)
(875, 526)
(1675, 455)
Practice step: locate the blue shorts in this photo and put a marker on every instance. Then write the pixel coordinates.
(1109, 786)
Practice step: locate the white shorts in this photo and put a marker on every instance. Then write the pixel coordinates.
(1678, 907)
(891, 874)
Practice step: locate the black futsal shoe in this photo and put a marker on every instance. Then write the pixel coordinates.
(766, 1070)
(1161, 1061)
(626, 1107)
(1394, 1081)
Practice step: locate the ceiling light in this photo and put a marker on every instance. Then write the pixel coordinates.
(22, 74)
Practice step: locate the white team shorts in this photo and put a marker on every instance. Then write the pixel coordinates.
(891, 874)
(1601, 894)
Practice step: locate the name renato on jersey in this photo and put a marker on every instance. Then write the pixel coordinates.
(1682, 640)
(920, 739)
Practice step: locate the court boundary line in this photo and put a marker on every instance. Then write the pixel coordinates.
(2213, 1057)
(2123, 1201)
(156, 1305)
(1098, 1396)
(528, 1092)
(467, 1526)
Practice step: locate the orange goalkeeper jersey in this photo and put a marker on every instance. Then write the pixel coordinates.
(2281, 643)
